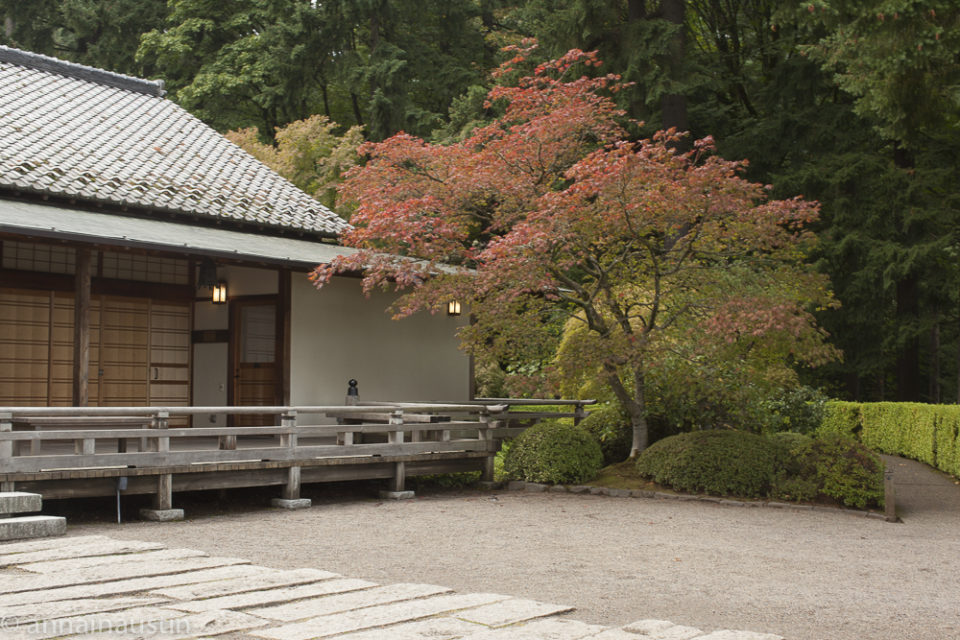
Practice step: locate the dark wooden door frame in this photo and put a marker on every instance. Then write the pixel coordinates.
(233, 352)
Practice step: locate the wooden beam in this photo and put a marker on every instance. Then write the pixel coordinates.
(81, 329)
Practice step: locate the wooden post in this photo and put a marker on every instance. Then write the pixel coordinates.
(164, 499)
(6, 448)
(889, 496)
(81, 329)
(485, 436)
(291, 491)
(399, 468)
(579, 414)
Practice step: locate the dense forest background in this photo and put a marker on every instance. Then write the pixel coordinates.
(855, 103)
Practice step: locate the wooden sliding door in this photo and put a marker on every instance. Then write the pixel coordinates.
(254, 356)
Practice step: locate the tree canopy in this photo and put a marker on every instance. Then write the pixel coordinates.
(852, 103)
(550, 210)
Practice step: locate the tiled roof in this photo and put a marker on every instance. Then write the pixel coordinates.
(69, 130)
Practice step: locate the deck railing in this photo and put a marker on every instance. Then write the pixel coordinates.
(406, 432)
(124, 442)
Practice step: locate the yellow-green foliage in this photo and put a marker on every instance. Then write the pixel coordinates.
(926, 432)
(841, 418)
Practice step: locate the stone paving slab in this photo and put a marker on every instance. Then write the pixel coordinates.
(20, 614)
(727, 634)
(183, 628)
(41, 545)
(270, 579)
(328, 605)
(373, 617)
(107, 573)
(93, 548)
(78, 564)
(430, 629)
(85, 626)
(512, 611)
(275, 596)
(133, 585)
(554, 629)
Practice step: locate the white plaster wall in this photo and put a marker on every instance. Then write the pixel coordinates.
(210, 381)
(337, 333)
(248, 281)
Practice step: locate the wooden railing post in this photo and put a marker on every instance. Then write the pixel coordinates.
(396, 490)
(163, 500)
(290, 496)
(291, 491)
(579, 413)
(6, 447)
(486, 423)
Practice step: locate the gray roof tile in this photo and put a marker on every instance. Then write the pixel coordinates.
(70, 136)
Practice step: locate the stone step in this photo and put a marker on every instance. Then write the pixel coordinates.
(14, 502)
(23, 527)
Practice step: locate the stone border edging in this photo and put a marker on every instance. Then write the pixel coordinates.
(534, 487)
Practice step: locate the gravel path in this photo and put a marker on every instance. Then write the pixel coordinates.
(800, 574)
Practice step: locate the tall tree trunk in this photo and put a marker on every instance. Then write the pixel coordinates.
(908, 358)
(935, 361)
(674, 103)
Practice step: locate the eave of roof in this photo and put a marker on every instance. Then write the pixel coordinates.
(46, 221)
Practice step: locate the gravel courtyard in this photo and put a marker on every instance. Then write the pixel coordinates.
(802, 574)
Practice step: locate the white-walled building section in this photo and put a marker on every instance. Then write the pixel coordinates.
(337, 334)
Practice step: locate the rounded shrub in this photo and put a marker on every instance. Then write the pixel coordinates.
(718, 462)
(555, 453)
(612, 429)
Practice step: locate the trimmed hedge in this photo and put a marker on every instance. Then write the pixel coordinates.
(553, 452)
(612, 429)
(929, 433)
(717, 462)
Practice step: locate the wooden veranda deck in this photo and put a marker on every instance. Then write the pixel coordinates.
(64, 452)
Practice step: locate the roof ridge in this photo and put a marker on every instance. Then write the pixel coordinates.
(80, 71)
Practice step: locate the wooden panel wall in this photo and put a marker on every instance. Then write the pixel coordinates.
(139, 350)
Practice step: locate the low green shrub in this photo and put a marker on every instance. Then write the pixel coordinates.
(610, 425)
(717, 462)
(847, 471)
(554, 453)
(829, 465)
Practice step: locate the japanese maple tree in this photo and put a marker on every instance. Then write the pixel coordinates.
(550, 210)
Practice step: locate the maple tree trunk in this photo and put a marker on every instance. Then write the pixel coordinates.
(636, 406)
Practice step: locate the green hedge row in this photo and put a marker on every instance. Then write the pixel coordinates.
(929, 433)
